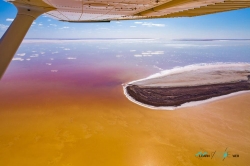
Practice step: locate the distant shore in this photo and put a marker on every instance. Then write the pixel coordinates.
(137, 39)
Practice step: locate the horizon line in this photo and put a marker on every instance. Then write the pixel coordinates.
(185, 39)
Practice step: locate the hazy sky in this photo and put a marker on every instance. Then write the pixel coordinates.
(233, 24)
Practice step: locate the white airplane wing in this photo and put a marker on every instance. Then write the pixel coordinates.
(107, 10)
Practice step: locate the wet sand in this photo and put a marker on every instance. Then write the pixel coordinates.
(74, 122)
(176, 96)
(189, 85)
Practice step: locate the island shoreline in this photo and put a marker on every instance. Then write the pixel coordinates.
(245, 87)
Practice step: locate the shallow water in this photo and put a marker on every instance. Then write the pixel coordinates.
(62, 103)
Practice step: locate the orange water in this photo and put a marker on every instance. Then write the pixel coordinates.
(83, 119)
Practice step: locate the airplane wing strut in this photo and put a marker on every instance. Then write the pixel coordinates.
(13, 37)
